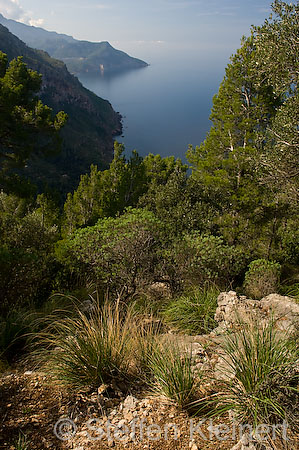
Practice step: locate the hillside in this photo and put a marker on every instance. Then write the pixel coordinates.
(88, 134)
(158, 308)
(79, 56)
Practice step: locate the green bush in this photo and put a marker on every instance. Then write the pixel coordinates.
(193, 312)
(26, 278)
(289, 235)
(262, 278)
(120, 254)
(198, 259)
(13, 330)
(27, 268)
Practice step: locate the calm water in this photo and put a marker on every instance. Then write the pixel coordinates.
(165, 106)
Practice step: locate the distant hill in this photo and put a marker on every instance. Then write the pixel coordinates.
(88, 134)
(79, 56)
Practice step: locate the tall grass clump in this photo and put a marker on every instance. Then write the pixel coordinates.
(194, 312)
(172, 373)
(92, 347)
(264, 362)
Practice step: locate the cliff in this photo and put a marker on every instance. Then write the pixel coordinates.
(88, 134)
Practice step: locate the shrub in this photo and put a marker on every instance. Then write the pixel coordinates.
(26, 278)
(262, 278)
(289, 235)
(94, 347)
(198, 259)
(264, 389)
(120, 253)
(27, 268)
(172, 373)
(194, 312)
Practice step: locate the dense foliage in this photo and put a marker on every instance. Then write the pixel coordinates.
(148, 222)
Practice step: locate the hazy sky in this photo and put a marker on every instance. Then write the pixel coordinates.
(136, 25)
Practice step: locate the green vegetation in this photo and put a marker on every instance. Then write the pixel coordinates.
(26, 125)
(22, 443)
(87, 137)
(121, 254)
(193, 312)
(91, 348)
(262, 278)
(154, 235)
(291, 291)
(173, 374)
(265, 386)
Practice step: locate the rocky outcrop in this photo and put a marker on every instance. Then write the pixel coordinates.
(233, 309)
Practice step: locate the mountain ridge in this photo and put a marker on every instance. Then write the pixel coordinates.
(78, 55)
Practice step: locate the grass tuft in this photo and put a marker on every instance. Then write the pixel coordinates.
(194, 312)
(92, 347)
(22, 443)
(264, 389)
(173, 374)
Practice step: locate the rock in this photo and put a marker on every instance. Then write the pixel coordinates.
(128, 417)
(193, 446)
(197, 350)
(121, 423)
(130, 403)
(244, 444)
(233, 309)
(284, 309)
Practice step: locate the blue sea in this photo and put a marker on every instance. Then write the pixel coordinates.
(165, 106)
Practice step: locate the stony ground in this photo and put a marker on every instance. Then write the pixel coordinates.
(49, 417)
(31, 406)
(36, 410)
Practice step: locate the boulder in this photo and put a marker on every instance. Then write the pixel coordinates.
(233, 309)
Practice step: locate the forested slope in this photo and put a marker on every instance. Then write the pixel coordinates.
(92, 122)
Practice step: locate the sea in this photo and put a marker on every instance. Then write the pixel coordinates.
(166, 106)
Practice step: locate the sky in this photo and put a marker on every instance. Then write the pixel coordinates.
(144, 26)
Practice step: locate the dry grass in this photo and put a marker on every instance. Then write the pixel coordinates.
(93, 347)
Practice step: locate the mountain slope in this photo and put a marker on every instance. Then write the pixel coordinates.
(79, 56)
(92, 123)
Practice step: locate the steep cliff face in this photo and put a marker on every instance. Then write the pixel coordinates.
(79, 56)
(92, 123)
